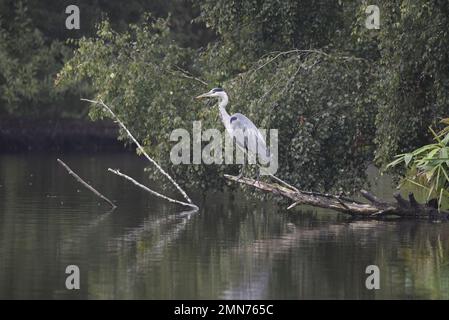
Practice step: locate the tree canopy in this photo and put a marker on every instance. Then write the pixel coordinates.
(340, 94)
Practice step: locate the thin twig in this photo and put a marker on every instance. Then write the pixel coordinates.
(88, 186)
(299, 51)
(117, 172)
(311, 193)
(188, 75)
(284, 183)
(294, 204)
(141, 148)
(184, 73)
(289, 52)
(342, 203)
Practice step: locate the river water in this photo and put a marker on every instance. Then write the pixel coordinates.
(234, 247)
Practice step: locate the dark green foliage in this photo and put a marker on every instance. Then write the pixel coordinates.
(27, 67)
(340, 94)
(428, 166)
(138, 74)
(34, 47)
(315, 100)
(412, 87)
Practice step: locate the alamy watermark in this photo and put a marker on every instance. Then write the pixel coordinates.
(73, 20)
(373, 19)
(373, 280)
(244, 146)
(72, 282)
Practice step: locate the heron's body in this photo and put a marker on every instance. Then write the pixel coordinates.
(247, 136)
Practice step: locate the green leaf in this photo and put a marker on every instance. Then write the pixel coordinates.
(424, 148)
(445, 121)
(416, 183)
(407, 158)
(435, 135)
(445, 140)
(432, 153)
(395, 162)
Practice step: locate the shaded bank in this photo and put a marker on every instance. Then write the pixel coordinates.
(22, 134)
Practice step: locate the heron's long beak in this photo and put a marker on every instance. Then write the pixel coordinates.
(204, 95)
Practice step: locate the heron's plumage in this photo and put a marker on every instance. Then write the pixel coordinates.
(247, 136)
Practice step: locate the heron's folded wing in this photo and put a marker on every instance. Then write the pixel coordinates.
(247, 135)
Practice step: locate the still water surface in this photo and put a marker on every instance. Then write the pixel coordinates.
(232, 248)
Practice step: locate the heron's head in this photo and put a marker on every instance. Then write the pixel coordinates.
(214, 93)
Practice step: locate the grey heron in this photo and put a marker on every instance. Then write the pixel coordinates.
(247, 136)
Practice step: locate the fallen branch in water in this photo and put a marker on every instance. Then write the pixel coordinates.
(184, 194)
(117, 172)
(84, 183)
(375, 209)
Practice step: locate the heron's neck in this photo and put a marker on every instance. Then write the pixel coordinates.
(223, 102)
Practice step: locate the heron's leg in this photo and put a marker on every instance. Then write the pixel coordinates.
(257, 174)
(239, 176)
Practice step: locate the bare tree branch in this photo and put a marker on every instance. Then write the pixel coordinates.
(141, 148)
(88, 186)
(188, 75)
(376, 209)
(117, 172)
